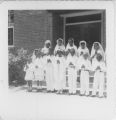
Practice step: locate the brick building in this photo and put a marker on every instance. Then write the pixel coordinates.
(30, 28)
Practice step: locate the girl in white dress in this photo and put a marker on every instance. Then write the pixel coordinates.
(72, 71)
(49, 73)
(84, 65)
(34, 59)
(59, 66)
(29, 76)
(71, 46)
(47, 48)
(38, 71)
(82, 48)
(99, 66)
(97, 48)
(48, 65)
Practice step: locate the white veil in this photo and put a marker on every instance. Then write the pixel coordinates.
(101, 51)
(45, 50)
(68, 46)
(73, 46)
(82, 42)
(33, 54)
(62, 47)
(86, 50)
(46, 42)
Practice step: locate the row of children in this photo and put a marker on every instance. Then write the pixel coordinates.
(52, 67)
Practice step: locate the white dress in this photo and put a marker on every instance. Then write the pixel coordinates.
(45, 50)
(80, 51)
(72, 73)
(59, 73)
(33, 57)
(100, 51)
(61, 48)
(49, 68)
(59, 69)
(84, 75)
(99, 77)
(38, 70)
(29, 72)
(72, 47)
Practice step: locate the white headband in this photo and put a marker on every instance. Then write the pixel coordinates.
(100, 47)
(98, 44)
(47, 41)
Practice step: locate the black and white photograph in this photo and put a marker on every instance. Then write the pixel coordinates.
(58, 52)
(59, 62)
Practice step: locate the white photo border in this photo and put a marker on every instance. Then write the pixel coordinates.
(109, 103)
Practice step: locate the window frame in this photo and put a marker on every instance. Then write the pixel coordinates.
(13, 36)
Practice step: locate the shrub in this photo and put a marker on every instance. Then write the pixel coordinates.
(17, 60)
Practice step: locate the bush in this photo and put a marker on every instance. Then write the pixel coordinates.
(17, 60)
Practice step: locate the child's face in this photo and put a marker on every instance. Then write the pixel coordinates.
(96, 46)
(83, 45)
(48, 45)
(70, 42)
(36, 52)
(60, 42)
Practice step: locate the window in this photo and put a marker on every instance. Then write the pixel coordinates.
(87, 25)
(10, 16)
(10, 36)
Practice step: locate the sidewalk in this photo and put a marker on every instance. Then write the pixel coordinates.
(22, 105)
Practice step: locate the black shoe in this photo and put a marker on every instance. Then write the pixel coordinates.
(38, 90)
(52, 91)
(58, 92)
(93, 95)
(81, 94)
(30, 90)
(74, 93)
(87, 95)
(100, 96)
(48, 91)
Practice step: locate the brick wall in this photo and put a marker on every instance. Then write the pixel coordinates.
(57, 28)
(31, 30)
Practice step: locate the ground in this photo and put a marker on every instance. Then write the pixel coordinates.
(18, 104)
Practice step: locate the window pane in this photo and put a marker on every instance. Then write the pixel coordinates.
(10, 36)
